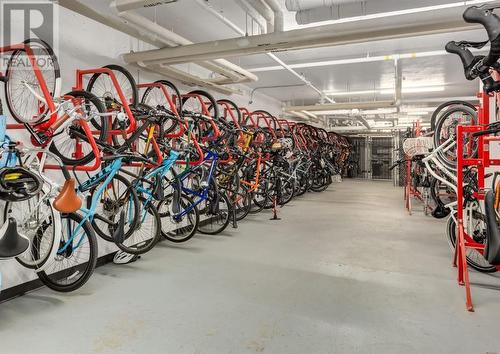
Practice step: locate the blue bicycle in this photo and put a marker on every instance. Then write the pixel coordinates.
(203, 207)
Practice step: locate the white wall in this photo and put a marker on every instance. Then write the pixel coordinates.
(83, 44)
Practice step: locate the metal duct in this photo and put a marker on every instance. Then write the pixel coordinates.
(170, 38)
(126, 5)
(298, 5)
(279, 22)
(323, 13)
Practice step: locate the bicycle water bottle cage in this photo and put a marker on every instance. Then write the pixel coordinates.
(12, 244)
(67, 201)
(18, 184)
(492, 249)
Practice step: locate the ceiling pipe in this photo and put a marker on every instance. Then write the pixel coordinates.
(298, 5)
(265, 11)
(253, 13)
(240, 31)
(127, 5)
(171, 38)
(328, 13)
(279, 22)
(232, 71)
(189, 79)
(311, 37)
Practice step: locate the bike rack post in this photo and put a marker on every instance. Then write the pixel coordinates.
(482, 162)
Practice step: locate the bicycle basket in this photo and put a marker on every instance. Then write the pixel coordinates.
(418, 146)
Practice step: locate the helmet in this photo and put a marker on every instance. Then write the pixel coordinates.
(18, 184)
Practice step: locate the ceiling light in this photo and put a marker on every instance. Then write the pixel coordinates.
(380, 111)
(417, 113)
(349, 93)
(367, 59)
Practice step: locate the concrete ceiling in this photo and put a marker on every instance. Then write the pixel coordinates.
(189, 19)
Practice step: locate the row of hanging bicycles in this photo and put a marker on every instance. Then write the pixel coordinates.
(452, 167)
(140, 163)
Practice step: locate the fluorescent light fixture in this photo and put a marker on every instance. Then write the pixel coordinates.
(380, 111)
(349, 93)
(390, 91)
(367, 59)
(408, 109)
(417, 113)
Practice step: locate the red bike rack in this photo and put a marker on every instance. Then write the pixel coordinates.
(482, 162)
(80, 74)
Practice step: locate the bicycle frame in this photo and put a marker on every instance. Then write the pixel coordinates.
(203, 195)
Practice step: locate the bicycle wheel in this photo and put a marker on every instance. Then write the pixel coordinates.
(35, 220)
(102, 86)
(287, 191)
(196, 102)
(239, 197)
(66, 144)
(474, 258)
(22, 104)
(444, 107)
(446, 128)
(230, 110)
(118, 196)
(174, 227)
(215, 212)
(155, 97)
(76, 258)
(146, 233)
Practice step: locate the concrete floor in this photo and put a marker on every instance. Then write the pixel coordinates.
(344, 271)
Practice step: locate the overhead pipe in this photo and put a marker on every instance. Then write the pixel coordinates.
(265, 11)
(189, 79)
(298, 5)
(327, 13)
(279, 22)
(311, 37)
(173, 39)
(253, 13)
(238, 30)
(127, 5)
(150, 37)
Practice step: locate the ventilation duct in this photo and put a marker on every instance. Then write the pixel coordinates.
(126, 5)
(354, 8)
(299, 5)
(320, 14)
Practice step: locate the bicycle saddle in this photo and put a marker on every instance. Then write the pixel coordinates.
(492, 249)
(67, 201)
(12, 244)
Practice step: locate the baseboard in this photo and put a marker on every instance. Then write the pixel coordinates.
(24, 288)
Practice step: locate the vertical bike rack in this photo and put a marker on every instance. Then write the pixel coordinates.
(409, 191)
(482, 162)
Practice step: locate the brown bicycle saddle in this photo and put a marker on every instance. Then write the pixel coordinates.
(67, 201)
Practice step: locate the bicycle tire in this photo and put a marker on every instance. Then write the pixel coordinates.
(102, 127)
(141, 246)
(10, 93)
(112, 210)
(193, 217)
(78, 274)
